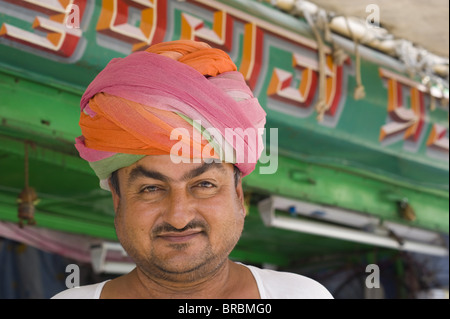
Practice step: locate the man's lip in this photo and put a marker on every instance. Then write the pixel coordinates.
(180, 237)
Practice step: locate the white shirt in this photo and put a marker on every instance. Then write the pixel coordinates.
(271, 285)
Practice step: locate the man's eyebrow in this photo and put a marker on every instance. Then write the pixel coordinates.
(202, 169)
(140, 171)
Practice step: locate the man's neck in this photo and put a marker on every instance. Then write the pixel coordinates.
(230, 280)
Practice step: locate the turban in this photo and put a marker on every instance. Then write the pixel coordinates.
(180, 98)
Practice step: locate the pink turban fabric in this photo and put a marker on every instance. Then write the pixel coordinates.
(137, 104)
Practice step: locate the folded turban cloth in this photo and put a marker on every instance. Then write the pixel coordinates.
(175, 98)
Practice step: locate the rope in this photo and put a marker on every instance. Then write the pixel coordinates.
(339, 55)
(321, 105)
(432, 97)
(359, 92)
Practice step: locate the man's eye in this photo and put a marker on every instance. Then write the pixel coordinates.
(206, 184)
(150, 189)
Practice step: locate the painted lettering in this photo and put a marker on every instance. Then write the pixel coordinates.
(60, 39)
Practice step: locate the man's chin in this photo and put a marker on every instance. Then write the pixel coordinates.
(186, 268)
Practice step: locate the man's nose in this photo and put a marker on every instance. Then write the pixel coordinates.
(180, 208)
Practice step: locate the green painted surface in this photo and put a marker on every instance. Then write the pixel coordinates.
(342, 165)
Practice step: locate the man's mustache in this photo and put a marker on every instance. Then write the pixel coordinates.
(167, 228)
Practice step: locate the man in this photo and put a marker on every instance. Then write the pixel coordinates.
(170, 132)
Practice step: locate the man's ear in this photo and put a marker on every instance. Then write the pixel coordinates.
(115, 196)
(240, 195)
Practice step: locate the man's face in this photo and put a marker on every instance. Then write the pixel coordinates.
(179, 222)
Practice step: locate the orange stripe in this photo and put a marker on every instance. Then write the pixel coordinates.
(124, 126)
